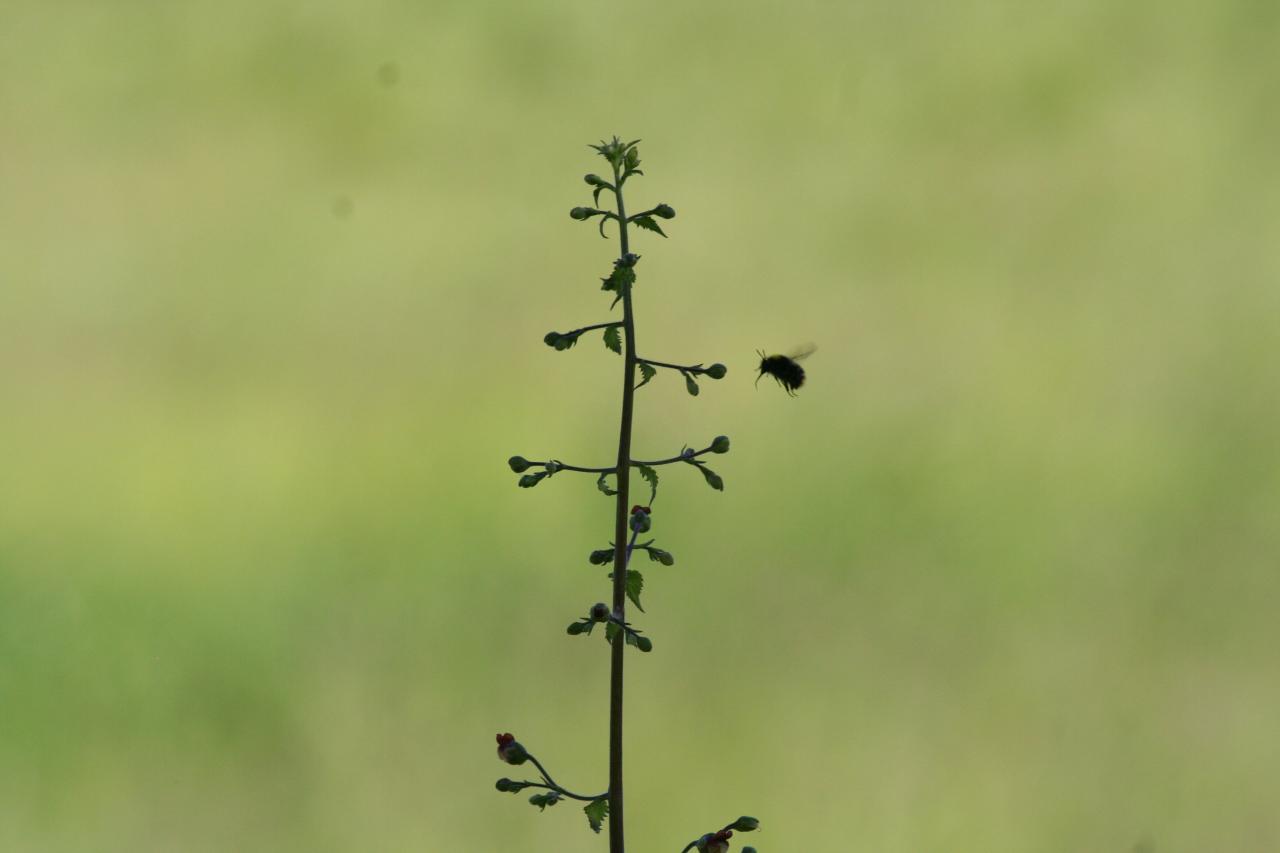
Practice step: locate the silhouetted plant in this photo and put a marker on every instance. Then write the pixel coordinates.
(631, 521)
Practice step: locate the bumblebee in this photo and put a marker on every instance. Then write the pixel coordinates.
(784, 368)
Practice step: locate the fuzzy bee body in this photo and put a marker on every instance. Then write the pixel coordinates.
(785, 369)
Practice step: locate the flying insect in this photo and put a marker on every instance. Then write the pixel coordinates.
(784, 368)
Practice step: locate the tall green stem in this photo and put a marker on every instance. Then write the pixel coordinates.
(617, 843)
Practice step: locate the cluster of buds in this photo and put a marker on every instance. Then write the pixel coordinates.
(510, 750)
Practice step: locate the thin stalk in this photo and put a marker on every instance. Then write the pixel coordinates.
(555, 786)
(681, 367)
(563, 792)
(617, 842)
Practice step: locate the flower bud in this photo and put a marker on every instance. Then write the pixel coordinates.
(602, 557)
(664, 557)
(745, 824)
(644, 644)
(599, 611)
(627, 260)
(528, 481)
(576, 628)
(715, 842)
(665, 211)
(518, 464)
(719, 842)
(594, 180)
(720, 444)
(582, 213)
(510, 750)
(640, 522)
(748, 850)
(509, 786)
(716, 371)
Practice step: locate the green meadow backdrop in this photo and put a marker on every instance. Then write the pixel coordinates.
(273, 282)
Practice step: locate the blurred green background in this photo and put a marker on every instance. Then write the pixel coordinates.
(273, 282)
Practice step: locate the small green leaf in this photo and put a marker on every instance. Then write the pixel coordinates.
(550, 798)
(635, 585)
(611, 630)
(621, 277)
(618, 281)
(603, 486)
(648, 371)
(690, 384)
(612, 339)
(633, 156)
(528, 481)
(597, 811)
(648, 224)
(652, 477)
(602, 557)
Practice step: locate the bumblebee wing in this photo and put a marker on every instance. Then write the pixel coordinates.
(802, 352)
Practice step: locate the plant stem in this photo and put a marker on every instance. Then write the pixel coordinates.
(617, 842)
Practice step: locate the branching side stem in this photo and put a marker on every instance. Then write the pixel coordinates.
(652, 463)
